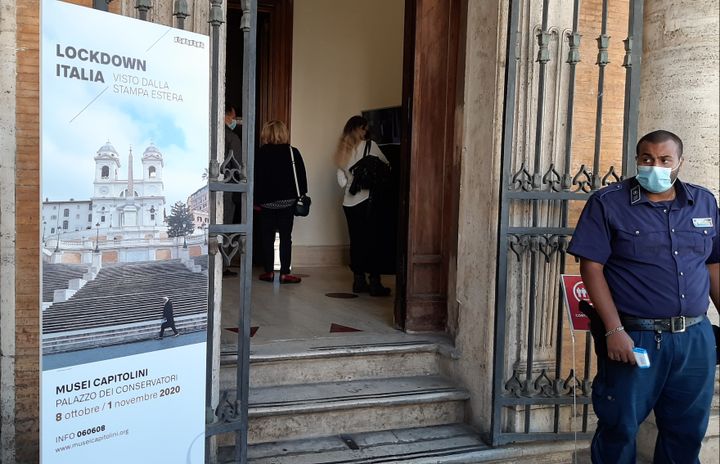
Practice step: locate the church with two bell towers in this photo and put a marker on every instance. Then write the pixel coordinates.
(129, 205)
(120, 208)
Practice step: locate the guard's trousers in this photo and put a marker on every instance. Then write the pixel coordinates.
(678, 387)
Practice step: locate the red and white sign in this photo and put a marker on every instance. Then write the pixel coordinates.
(574, 291)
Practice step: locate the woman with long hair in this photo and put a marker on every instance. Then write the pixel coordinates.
(363, 228)
(276, 195)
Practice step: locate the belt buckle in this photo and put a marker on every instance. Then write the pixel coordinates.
(677, 324)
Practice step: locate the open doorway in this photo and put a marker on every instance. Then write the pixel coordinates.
(318, 63)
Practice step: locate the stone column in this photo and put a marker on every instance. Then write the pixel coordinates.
(8, 31)
(680, 82)
(680, 92)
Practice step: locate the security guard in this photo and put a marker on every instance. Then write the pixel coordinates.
(649, 252)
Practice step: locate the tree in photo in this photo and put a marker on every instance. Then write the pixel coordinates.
(180, 221)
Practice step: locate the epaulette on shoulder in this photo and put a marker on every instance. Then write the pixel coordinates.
(699, 187)
(612, 188)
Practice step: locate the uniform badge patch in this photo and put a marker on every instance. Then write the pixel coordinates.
(634, 194)
(702, 222)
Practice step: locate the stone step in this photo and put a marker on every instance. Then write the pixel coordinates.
(117, 334)
(372, 447)
(335, 360)
(453, 443)
(322, 409)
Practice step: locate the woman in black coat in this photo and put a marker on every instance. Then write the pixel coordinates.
(276, 192)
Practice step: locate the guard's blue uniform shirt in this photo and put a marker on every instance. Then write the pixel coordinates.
(655, 254)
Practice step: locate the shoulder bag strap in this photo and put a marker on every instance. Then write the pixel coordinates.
(365, 153)
(292, 159)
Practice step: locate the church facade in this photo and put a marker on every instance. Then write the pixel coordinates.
(131, 208)
(123, 220)
(112, 209)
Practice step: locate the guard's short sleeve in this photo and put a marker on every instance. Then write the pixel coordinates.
(592, 236)
(715, 251)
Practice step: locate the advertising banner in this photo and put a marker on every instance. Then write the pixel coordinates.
(124, 149)
(574, 291)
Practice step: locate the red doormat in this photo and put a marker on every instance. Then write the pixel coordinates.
(236, 330)
(341, 328)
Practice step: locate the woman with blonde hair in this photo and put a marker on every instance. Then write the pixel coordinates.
(354, 144)
(276, 166)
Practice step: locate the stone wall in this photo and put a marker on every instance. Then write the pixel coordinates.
(680, 87)
(481, 120)
(8, 58)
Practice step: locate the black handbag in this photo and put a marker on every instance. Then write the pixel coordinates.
(370, 173)
(302, 204)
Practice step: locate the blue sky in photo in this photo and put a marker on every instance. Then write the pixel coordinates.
(79, 116)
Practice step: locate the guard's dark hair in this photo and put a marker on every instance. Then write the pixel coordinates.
(230, 107)
(659, 136)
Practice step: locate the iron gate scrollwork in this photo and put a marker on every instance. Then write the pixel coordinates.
(535, 385)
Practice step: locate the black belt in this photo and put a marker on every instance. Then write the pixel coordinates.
(670, 324)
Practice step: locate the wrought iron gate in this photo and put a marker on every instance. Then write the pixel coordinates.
(535, 379)
(233, 174)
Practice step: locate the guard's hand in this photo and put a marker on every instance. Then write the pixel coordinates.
(620, 347)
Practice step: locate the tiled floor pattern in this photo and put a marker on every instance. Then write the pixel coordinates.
(304, 311)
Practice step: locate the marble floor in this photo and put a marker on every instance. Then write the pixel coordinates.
(304, 311)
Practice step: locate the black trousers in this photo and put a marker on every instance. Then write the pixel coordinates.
(364, 235)
(280, 220)
(169, 324)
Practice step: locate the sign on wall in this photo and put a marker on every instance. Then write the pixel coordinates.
(124, 147)
(575, 292)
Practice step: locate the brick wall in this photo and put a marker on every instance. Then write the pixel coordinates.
(586, 91)
(27, 252)
(587, 85)
(585, 113)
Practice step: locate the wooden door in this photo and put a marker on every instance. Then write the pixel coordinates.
(274, 59)
(274, 55)
(431, 172)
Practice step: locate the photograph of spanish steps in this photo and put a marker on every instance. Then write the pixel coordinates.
(120, 303)
(507, 119)
(110, 260)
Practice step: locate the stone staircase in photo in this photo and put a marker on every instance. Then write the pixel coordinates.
(360, 398)
(123, 303)
(74, 340)
(57, 278)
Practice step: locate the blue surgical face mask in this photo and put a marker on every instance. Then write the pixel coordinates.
(655, 179)
(232, 125)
